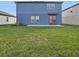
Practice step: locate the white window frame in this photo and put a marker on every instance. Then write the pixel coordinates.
(34, 19)
(50, 19)
(50, 6)
(37, 19)
(53, 5)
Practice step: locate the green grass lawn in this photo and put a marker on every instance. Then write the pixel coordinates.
(39, 41)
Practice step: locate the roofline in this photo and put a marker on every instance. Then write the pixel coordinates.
(7, 15)
(71, 7)
(38, 2)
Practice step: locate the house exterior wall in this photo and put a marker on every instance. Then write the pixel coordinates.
(24, 11)
(69, 17)
(26, 19)
(12, 20)
(3, 20)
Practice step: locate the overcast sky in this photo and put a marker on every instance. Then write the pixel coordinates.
(10, 7)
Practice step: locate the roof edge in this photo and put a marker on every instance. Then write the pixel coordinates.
(70, 7)
(6, 14)
(38, 1)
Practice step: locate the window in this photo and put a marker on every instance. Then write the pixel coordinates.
(34, 19)
(50, 19)
(54, 17)
(50, 6)
(53, 5)
(7, 19)
(37, 18)
(70, 11)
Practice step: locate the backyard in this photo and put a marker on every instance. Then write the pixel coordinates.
(39, 41)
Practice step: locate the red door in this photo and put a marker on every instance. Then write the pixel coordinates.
(52, 20)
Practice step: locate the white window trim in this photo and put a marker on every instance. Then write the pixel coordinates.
(53, 5)
(50, 6)
(34, 19)
(37, 17)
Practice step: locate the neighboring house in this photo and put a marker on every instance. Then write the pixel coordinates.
(39, 13)
(71, 15)
(6, 18)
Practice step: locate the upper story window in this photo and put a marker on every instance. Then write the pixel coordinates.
(53, 5)
(50, 6)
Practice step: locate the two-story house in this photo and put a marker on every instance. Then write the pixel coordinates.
(39, 13)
